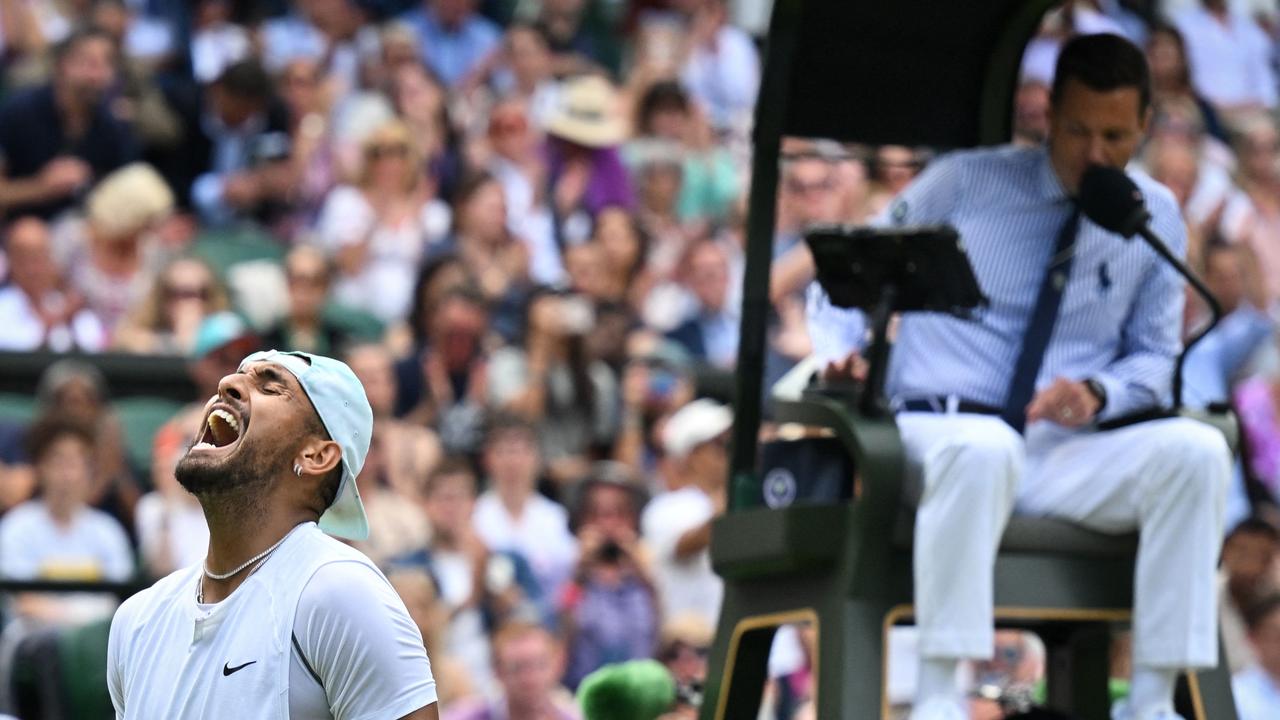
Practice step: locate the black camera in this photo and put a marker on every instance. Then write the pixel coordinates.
(610, 552)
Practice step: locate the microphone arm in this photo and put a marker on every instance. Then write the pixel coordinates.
(1215, 308)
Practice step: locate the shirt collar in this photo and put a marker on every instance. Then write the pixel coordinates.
(1047, 179)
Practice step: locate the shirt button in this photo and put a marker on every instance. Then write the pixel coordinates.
(1059, 280)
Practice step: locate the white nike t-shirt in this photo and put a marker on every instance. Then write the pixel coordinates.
(316, 606)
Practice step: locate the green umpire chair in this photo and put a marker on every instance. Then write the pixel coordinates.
(847, 569)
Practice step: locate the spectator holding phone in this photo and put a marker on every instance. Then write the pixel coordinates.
(610, 609)
(553, 382)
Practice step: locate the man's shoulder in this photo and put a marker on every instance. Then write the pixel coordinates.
(145, 603)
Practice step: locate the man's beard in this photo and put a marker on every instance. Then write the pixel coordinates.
(246, 473)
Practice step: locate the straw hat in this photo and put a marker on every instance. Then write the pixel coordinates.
(588, 113)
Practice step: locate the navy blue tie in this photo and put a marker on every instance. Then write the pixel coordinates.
(1040, 327)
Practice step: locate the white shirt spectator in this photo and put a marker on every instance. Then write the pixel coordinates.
(1257, 694)
(531, 221)
(725, 77)
(384, 287)
(33, 546)
(93, 547)
(26, 330)
(1230, 62)
(689, 585)
(170, 531)
(540, 534)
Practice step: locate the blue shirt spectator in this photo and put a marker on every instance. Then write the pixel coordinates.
(454, 38)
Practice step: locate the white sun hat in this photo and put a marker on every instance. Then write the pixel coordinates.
(343, 407)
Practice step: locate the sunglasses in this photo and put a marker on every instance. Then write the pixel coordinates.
(508, 126)
(381, 151)
(307, 279)
(799, 187)
(187, 293)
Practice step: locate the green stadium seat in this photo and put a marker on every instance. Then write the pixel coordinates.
(17, 409)
(224, 248)
(82, 662)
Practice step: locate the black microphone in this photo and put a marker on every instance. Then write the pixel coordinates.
(1113, 202)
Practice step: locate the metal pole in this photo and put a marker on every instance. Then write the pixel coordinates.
(769, 126)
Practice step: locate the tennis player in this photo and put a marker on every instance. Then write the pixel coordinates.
(281, 620)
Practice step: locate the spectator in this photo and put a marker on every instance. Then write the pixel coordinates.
(1252, 213)
(39, 311)
(1230, 58)
(809, 195)
(1248, 575)
(894, 169)
(520, 167)
(611, 609)
(110, 256)
(335, 33)
(625, 248)
(455, 38)
(722, 69)
(1257, 689)
(710, 182)
(496, 260)
(309, 104)
(512, 517)
(575, 47)
(528, 661)
(409, 451)
(553, 383)
(422, 104)
(677, 524)
(308, 275)
(449, 374)
(659, 172)
(59, 138)
(76, 390)
(528, 72)
(585, 171)
(58, 536)
(236, 138)
(379, 230)
(710, 333)
(172, 532)
(217, 42)
(481, 588)
(430, 613)
(683, 647)
(166, 321)
(1031, 113)
(1171, 78)
(400, 457)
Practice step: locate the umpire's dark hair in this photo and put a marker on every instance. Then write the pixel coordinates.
(246, 79)
(1258, 612)
(1103, 63)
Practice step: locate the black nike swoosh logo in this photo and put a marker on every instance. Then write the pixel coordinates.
(227, 669)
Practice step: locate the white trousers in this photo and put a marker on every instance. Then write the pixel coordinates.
(1167, 479)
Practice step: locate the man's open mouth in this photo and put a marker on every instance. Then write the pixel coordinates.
(222, 428)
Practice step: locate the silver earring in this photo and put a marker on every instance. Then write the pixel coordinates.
(297, 470)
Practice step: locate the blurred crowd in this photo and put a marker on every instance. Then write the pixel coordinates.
(521, 222)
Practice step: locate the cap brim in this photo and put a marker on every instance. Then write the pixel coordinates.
(346, 517)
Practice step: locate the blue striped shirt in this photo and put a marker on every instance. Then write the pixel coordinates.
(1121, 311)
